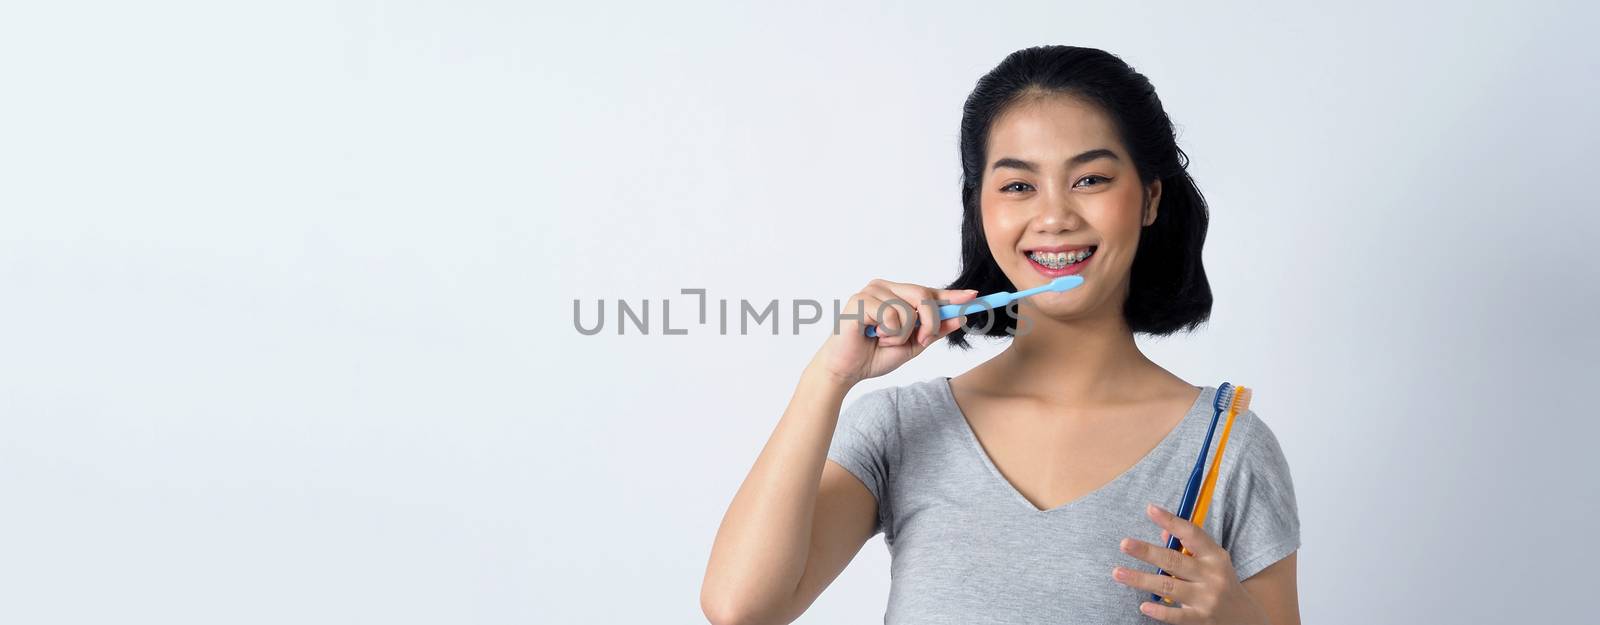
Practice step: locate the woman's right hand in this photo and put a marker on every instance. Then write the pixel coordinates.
(851, 356)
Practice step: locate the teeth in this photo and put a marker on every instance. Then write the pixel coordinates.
(1057, 260)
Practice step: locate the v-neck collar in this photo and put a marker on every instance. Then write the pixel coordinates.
(1170, 439)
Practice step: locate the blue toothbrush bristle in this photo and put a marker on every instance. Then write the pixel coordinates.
(1223, 399)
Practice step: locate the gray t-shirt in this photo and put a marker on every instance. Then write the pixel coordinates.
(966, 547)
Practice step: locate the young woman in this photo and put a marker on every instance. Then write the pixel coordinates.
(1034, 487)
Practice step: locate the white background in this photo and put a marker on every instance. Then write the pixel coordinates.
(287, 329)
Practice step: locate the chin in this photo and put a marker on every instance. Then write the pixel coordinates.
(1065, 306)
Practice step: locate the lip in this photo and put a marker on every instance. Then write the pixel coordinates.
(1056, 248)
(1068, 270)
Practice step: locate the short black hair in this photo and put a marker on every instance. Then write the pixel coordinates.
(1167, 289)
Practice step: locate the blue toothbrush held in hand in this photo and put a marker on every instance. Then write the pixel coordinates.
(1191, 489)
(996, 300)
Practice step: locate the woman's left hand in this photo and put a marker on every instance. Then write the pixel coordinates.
(1205, 583)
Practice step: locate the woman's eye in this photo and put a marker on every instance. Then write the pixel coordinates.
(1018, 187)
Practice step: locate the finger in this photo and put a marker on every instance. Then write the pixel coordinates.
(1188, 533)
(940, 298)
(921, 315)
(905, 310)
(1168, 560)
(928, 314)
(946, 326)
(1165, 614)
(957, 296)
(895, 312)
(905, 314)
(891, 312)
(870, 307)
(923, 312)
(949, 325)
(857, 314)
(1164, 585)
(967, 296)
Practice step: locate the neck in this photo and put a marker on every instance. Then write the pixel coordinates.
(1088, 361)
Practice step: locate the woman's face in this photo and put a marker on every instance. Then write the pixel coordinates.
(1059, 186)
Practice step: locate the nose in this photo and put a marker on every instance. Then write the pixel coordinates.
(1058, 215)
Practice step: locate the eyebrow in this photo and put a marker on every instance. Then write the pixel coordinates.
(1017, 163)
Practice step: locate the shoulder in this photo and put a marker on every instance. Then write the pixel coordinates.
(899, 407)
(870, 414)
(1255, 438)
(1258, 519)
(877, 402)
(1254, 456)
(904, 399)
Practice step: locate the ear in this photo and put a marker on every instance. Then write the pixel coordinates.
(1152, 201)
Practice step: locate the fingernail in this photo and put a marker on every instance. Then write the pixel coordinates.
(1119, 573)
(1125, 545)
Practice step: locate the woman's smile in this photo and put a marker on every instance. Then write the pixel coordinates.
(1059, 260)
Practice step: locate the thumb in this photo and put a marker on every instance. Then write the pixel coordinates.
(957, 296)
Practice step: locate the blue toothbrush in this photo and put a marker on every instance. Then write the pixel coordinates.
(996, 300)
(1219, 404)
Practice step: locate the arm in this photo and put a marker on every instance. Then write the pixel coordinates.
(1274, 590)
(795, 522)
(798, 519)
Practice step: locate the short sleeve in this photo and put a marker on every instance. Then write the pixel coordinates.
(1259, 520)
(865, 444)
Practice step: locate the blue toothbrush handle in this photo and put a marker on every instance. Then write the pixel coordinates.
(951, 311)
(1185, 510)
(1173, 544)
(1191, 491)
